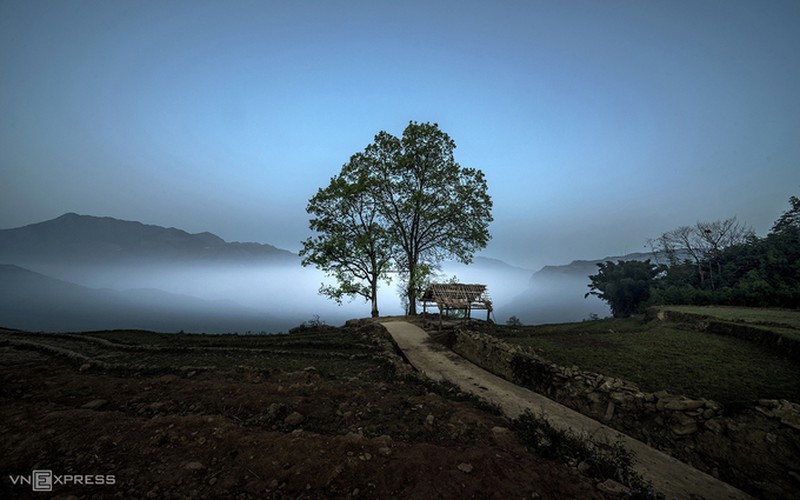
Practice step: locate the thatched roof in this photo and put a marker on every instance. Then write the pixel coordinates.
(457, 296)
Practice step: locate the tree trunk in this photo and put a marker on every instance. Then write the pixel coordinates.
(374, 292)
(412, 291)
(412, 301)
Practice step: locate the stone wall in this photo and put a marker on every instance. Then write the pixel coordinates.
(755, 448)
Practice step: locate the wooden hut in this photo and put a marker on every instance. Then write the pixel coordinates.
(456, 296)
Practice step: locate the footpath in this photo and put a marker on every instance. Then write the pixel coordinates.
(669, 476)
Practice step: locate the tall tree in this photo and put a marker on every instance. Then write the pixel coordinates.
(352, 245)
(433, 208)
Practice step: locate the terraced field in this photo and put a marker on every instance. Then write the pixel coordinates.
(321, 412)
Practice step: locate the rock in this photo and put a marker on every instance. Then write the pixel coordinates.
(594, 397)
(609, 412)
(684, 427)
(429, 420)
(84, 367)
(683, 404)
(714, 426)
(613, 488)
(384, 451)
(193, 466)
(584, 467)
(95, 404)
(662, 395)
(294, 418)
(618, 397)
(465, 467)
(790, 415)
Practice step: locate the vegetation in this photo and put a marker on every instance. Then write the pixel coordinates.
(352, 245)
(624, 285)
(402, 200)
(734, 267)
(710, 263)
(599, 460)
(514, 321)
(661, 355)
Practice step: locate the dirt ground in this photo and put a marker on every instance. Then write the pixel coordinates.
(240, 433)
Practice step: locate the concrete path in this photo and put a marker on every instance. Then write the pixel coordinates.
(668, 476)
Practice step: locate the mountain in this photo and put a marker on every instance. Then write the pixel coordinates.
(32, 301)
(555, 294)
(87, 240)
(584, 268)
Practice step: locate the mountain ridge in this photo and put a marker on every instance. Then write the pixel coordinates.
(580, 266)
(79, 238)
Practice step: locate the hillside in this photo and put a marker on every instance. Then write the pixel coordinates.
(83, 240)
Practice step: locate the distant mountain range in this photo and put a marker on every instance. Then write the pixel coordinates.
(83, 239)
(79, 272)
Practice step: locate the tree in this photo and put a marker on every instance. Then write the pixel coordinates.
(625, 286)
(352, 245)
(704, 243)
(790, 219)
(433, 208)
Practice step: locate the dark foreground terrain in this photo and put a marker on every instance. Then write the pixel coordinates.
(321, 412)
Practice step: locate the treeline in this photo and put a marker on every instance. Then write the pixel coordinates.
(717, 263)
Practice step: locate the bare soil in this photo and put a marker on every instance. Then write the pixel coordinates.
(353, 428)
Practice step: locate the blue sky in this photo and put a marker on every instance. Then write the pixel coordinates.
(598, 124)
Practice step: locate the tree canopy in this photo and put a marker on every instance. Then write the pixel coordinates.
(352, 244)
(433, 208)
(624, 285)
(403, 204)
(725, 263)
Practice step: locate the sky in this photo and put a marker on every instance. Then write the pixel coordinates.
(598, 124)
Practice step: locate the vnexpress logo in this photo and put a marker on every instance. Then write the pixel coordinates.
(42, 480)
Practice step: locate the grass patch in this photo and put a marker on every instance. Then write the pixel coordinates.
(660, 355)
(757, 316)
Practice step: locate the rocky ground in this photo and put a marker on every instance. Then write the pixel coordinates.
(319, 413)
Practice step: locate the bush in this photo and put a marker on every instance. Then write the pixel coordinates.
(514, 321)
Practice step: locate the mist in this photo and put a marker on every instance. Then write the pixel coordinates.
(212, 298)
(79, 272)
